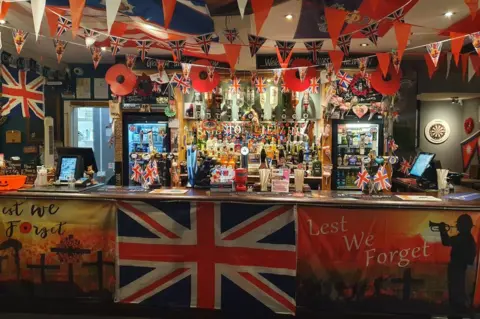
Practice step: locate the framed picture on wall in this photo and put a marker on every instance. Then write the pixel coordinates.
(100, 89)
(84, 90)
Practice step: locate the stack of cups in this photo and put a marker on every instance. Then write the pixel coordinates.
(442, 179)
(264, 178)
(299, 180)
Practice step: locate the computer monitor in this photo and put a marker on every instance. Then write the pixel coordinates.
(422, 162)
(85, 152)
(69, 166)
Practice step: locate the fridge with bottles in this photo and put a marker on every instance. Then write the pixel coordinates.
(352, 140)
(143, 134)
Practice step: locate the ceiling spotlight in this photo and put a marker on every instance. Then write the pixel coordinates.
(3, 22)
(364, 44)
(448, 14)
(269, 80)
(89, 41)
(104, 49)
(289, 16)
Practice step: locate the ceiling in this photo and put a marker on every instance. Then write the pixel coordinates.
(426, 13)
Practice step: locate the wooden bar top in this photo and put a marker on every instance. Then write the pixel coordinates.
(318, 198)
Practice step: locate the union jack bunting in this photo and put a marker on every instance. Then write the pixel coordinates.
(235, 85)
(116, 43)
(59, 48)
(362, 179)
(261, 84)
(314, 85)
(177, 48)
(179, 80)
(285, 89)
(344, 43)
(314, 47)
(255, 43)
(231, 35)
(371, 32)
(475, 37)
(24, 89)
(397, 16)
(381, 179)
(63, 25)
(136, 172)
(96, 56)
(143, 47)
(205, 42)
(277, 75)
(207, 255)
(130, 60)
(344, 80)
(89, 33)
(285, 47)
(253, 77)
(19, 38)
(362, 65)
(186, 68)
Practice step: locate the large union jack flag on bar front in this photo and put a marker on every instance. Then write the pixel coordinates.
(207, 255)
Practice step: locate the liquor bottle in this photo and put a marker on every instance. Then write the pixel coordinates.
(263, 159)
(339, 160)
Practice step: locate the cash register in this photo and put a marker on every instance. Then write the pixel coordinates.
(424, 171)
(73, 162)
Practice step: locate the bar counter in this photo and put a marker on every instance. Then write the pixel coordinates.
(323, 251)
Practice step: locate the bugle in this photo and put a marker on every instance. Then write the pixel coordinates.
(435, 227)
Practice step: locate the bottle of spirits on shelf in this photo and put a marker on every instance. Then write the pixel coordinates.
(339, 160)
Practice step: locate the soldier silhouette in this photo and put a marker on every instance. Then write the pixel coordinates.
(462, 254)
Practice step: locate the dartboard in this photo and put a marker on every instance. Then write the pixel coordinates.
(437, 131)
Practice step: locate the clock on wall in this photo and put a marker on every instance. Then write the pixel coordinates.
(437, 131)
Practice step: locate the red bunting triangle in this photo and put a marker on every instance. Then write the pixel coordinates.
(430, 66)
(464, 64)
(76, 12)
(283, 63)
(118, 29)
(4, 9)
(402, 32)
(233, 52)
(473, 7)
(335, 19)
(456, 40)
(337, 58)
(384, 62)
(52, 20)
(261, 9)
(168, 9)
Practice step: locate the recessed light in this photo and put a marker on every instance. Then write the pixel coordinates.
(448, 14)
(3, 21)
(289, 16)
(364, 44)
(269, 80)
(104, 49)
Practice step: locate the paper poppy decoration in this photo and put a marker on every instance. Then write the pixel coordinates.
(293, 77)
(202, 81)
(388, 85)
(121, 79)
(469, 125)
(144, 85)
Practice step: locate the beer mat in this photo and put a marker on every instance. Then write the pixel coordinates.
(121, 189)
(463, 196)
(419, 198)
(172, 191)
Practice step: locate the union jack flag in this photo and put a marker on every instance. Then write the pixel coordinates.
(136, 172)
(344, 43)
(153, 165)
(285, 47)
(362, 179)
(344, 80)
(314, 85)
(235, 85)
(22, 88)
(116, 43)
(231, 35)
(397, 16)
(177, 48)
(89, 33)
(179, 80)
(149, 174)
(207, 255)
(314, 47)
(63, 25)
(405, 167)
(255, 43)
(381, 179)
(143, 47)
(261, 84)
(205, 41)
(371, 32)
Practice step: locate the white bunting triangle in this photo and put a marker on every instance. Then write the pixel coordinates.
(449, 63)
(112, 9)
(38, 8)
(241, 6)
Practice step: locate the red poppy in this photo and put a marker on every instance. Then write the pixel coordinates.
(25, 228)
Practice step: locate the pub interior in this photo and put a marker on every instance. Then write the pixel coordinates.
(250, 158)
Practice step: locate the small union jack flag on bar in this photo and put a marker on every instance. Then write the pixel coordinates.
(143, 47)
(116, 43)
(362, 179)
(261, 84)
(405, 167)
(148, 174)
(231, 34)
(314, 47)
(381, 179)
(136, 172)
(371, 32)
(397, 16)
(177, 48)
(205, 42)
(63, 25)
(255, 43)
(285, 47)
(344, 43)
